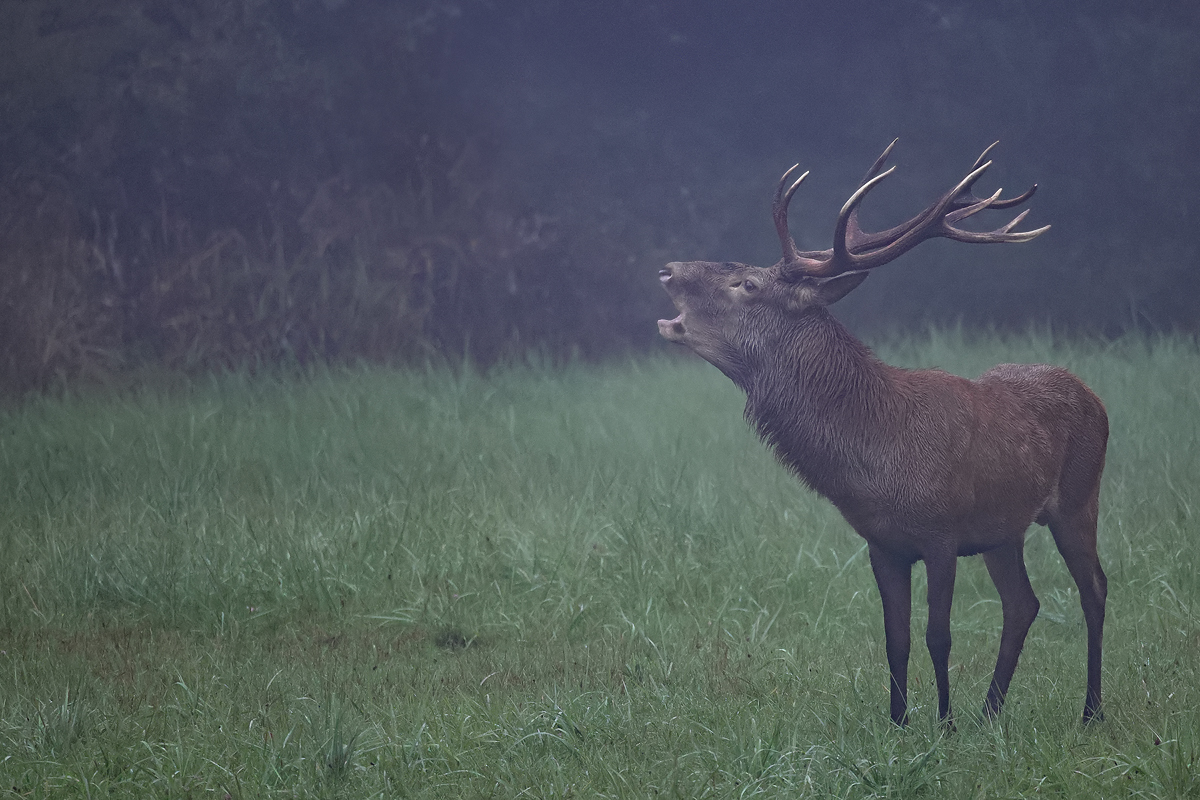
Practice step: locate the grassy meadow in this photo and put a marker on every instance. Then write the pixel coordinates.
(552, 582)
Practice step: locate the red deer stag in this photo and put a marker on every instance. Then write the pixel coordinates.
(924, 465)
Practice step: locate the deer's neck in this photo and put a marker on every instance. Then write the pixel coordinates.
(821, 399)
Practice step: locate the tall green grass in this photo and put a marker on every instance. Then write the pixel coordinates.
(588, 581)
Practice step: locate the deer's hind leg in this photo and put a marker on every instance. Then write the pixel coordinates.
(1006, 565)
(1075, 536)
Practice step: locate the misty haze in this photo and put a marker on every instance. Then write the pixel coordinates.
(351, 447)
(225, 184)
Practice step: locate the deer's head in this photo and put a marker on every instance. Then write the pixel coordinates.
(728, 311)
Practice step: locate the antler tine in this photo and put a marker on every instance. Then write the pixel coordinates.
(997, 203)
(963, 213)
(1002, 234)
(779, 211)
(879, 162)
(847, 219)
(983, 156)
(951, 198)
(1014, 201)
(856, 232)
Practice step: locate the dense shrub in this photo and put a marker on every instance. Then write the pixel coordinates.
(196, 185)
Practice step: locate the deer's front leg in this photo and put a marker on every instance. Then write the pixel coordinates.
(939, 571)
(894, 577)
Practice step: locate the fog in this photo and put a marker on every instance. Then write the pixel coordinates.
(300, 180)
(683, 116)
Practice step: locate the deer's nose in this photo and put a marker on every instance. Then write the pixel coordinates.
(666, 272)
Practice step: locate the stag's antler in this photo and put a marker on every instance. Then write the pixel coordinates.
(856, 250)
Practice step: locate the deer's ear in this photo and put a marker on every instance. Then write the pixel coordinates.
(830, 290)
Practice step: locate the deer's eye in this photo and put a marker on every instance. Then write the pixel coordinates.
(750, 286)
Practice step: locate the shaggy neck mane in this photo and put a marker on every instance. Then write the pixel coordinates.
(816, 395)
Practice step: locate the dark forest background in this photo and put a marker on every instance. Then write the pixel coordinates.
(193, 184)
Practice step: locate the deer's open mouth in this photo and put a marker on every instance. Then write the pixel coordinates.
(671, 329)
